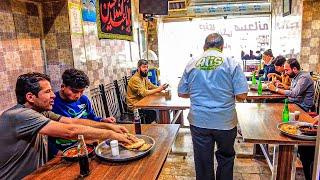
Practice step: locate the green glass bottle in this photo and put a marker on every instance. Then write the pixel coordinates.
(253, 78)
(260, 87)
(285, 112)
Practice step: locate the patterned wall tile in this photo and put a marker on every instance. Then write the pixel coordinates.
(310, 46)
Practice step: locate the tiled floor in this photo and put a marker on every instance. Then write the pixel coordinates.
(178, 167)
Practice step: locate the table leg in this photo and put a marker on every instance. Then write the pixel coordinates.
(284, 162)
(257, 151)
(180, 118)
(164, 117)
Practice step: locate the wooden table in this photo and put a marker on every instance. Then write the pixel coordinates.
(266, 94)
(148, 167)
(161, 102)
(253, 95)
(258, 123)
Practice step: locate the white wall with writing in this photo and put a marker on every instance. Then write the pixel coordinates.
(177, 40)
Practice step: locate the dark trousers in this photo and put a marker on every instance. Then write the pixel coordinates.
(203, 147)
(148, 116)
(306, 154)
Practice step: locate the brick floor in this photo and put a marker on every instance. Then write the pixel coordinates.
(180, 167)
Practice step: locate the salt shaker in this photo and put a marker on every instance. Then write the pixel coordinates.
(114, 148)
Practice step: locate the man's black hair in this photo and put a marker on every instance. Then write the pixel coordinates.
(268, 53)
(75, 78)
(279, 61)
(142, 62)
(293, 63)
(213, 40)
(29, 83)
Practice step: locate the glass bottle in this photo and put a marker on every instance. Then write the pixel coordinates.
(83, 157)
(253, 78)
(285, 112)
(260, 87)
(137, 121)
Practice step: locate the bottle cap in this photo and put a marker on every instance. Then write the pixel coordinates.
(114, 143)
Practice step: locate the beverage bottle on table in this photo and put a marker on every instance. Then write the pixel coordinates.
(83, 157)
(260, 87)
(285, 112)
(253, 79)
(137, 121)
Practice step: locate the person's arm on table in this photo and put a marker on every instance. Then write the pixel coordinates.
(100, 125)
(138, 87)
(71, 131)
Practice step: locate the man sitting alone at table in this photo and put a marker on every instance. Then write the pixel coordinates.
(282, 80)
(22, 127)
(301, 93)
(71, 102)
(139, 87)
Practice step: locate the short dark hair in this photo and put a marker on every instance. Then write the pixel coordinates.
(75, 78)
(268, 52)
(142, 62)
(213, 40)
(279, 61)
(29, 83)
(293, 62)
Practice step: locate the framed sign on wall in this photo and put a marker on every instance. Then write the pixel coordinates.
(286, 7)
(114, 19)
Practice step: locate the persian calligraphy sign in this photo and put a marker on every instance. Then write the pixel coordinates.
(114, 19)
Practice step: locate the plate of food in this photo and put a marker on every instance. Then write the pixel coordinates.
(299, 130)
(71, 153)
(141, 147)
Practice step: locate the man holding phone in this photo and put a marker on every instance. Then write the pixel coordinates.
(139, 87)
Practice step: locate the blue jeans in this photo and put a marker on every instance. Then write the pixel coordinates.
(203, 147)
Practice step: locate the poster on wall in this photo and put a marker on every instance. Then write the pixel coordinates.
(114, 19)
(75, 18)
(89, 10)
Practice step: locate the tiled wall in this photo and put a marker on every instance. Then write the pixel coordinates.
(57, 38)
(298, 34)
(286, 31)
(310, 42)
(103, 60)
(20, 46)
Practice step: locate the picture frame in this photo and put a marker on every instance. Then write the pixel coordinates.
(286, 7)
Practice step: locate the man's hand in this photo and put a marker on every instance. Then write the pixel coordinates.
(109, 120)
(271, 87)
(120, 137)
(118, 129)
(316, 121)
(162, 87)
(270, 75)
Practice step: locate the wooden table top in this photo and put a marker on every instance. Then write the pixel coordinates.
(159, 101)
(258, 123)
(253, 95)
(148, 167)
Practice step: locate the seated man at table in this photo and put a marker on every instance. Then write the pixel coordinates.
(268, 66)
(71, 102)
(213, 82)
(24, 126)
(282, 80)
(139, 87)
(301, 93)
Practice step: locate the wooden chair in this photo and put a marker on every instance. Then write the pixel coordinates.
(317, 96)
(316, 100)
(121, 91)
(98, 101)
(112, 104)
